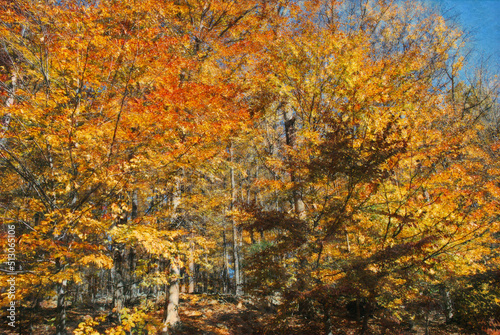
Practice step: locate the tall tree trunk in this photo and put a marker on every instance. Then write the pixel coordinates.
(118, 283)
(448, 304)
(157, 288)
(130, 279)
(7, 117)
(236, 255)
(192, 269)
(182, 281)
(135, 205)
(290, 134)
(172, 319)
(225, 271)
(206, 276)
(327, 320)
(236, 233)
(61, 308)
(61, 303)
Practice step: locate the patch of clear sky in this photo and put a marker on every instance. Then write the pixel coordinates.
(482, 19)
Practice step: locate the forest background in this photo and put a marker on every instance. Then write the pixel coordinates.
(323, 163)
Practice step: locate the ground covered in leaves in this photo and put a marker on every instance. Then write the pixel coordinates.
(200, 314)
(203, 314)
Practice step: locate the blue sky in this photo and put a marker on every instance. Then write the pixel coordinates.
(482, 18)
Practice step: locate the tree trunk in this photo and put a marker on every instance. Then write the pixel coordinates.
(236, 244)
(183, 284)
(118, 283)
(130, 280)
(327, 320)
(448, 304)
(172, 319)
(7, 117)
(236, 255)
(61, 305)
(367, 311)
(192, 269)
(61, 308)
(225, 271)
(290, 135)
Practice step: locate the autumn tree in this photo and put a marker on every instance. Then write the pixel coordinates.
(108, 106)
(394, 192)
(325, 152)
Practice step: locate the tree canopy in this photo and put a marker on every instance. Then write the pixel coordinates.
(323, 157)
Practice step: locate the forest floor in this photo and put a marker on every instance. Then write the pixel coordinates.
(201, 314)
(224, 315)
(204, 314)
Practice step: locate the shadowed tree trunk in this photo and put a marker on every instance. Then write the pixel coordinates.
(132, 259)
(61, 303)
(448, 304)
(61, 308)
